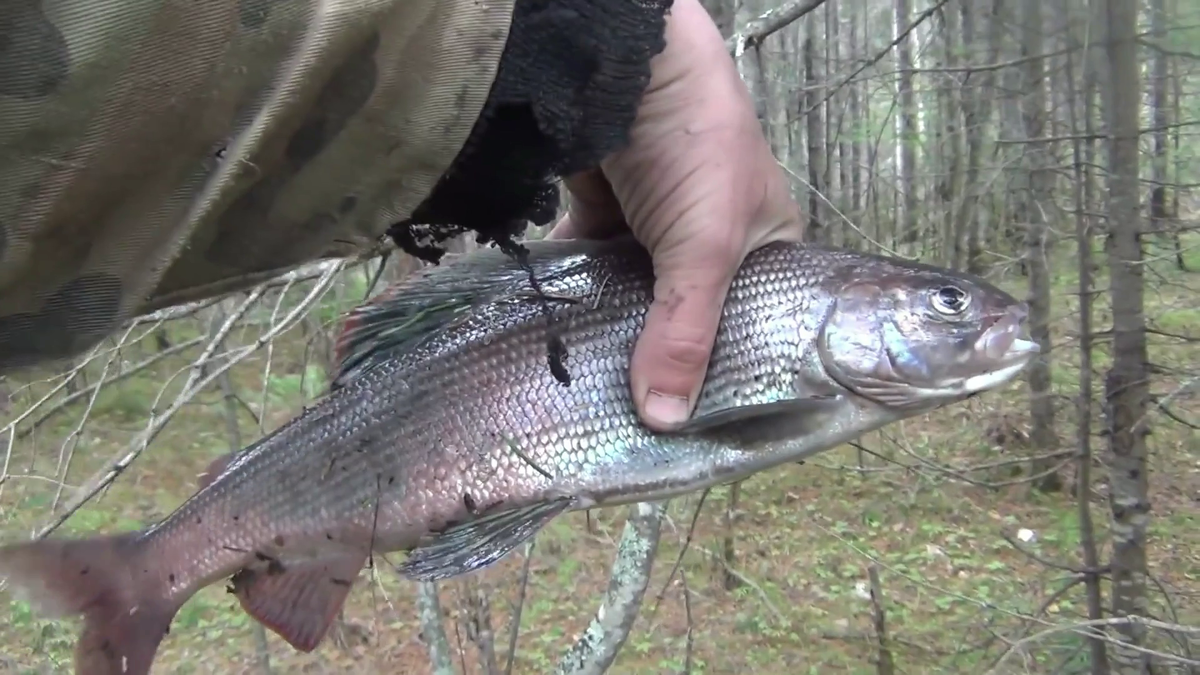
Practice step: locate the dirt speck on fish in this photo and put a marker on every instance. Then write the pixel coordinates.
(446, 435)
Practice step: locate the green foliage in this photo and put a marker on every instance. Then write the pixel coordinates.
(128, 404)
(306, 385)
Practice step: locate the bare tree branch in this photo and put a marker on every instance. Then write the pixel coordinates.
(596, 649)
(1090, 628)
(125, 373)
(195, 383)
(515, 631)
(773, 21)
(433, 632)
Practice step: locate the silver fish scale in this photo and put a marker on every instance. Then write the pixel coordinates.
(757, 354)
(474, 419)
(312, 477)
(516, 435)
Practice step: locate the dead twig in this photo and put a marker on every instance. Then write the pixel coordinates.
(773, 21)
(515, 632)
(887, 663)
(125, 373)
(1090, 629)
(196, 383)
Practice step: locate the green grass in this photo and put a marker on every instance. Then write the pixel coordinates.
(805, 536)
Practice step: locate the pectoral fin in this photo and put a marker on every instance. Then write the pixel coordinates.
(765, 422)
(476, 544)
(298, 601)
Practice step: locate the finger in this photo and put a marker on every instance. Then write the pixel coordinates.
(568, 227)
(671, 357)
(564, 229)
(593, 213)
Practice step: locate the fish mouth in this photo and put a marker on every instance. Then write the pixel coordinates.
(1006, 343)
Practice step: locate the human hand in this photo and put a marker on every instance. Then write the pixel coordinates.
(699, 188)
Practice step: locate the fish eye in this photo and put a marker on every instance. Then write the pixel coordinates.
(951, 300)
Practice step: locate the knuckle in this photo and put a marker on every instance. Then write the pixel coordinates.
(684, 350)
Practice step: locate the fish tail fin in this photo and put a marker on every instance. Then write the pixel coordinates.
(96, 578)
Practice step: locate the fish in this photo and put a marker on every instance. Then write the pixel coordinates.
(469, 407)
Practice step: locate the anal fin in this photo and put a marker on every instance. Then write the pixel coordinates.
(474, 545)
(300, 600)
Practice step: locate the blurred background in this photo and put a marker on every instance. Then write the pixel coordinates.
(1051, 147)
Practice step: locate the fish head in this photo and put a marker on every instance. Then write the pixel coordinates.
(919, 337)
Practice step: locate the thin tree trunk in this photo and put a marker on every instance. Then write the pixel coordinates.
(908, 137)
(1083, 238)
(977, 113)
(836, 118)
(818, 224)
(1038, 203)
(949, 111)
(729, 580)
(1160, 220)
(1125, 385)
(1180, 159)
(433, 631)
(859, 131)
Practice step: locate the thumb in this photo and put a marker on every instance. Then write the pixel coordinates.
(671, 357)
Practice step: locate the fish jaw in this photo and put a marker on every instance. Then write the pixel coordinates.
(988, 381)
(1005, 344)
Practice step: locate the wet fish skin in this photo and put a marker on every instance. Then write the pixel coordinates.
(446, 430)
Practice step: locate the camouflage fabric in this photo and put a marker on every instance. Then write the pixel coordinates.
(153, 152)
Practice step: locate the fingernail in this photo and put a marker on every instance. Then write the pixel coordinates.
(666, 409)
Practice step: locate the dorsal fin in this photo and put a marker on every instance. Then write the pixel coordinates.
(393, 323)
(352, 325)
(405, 315)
